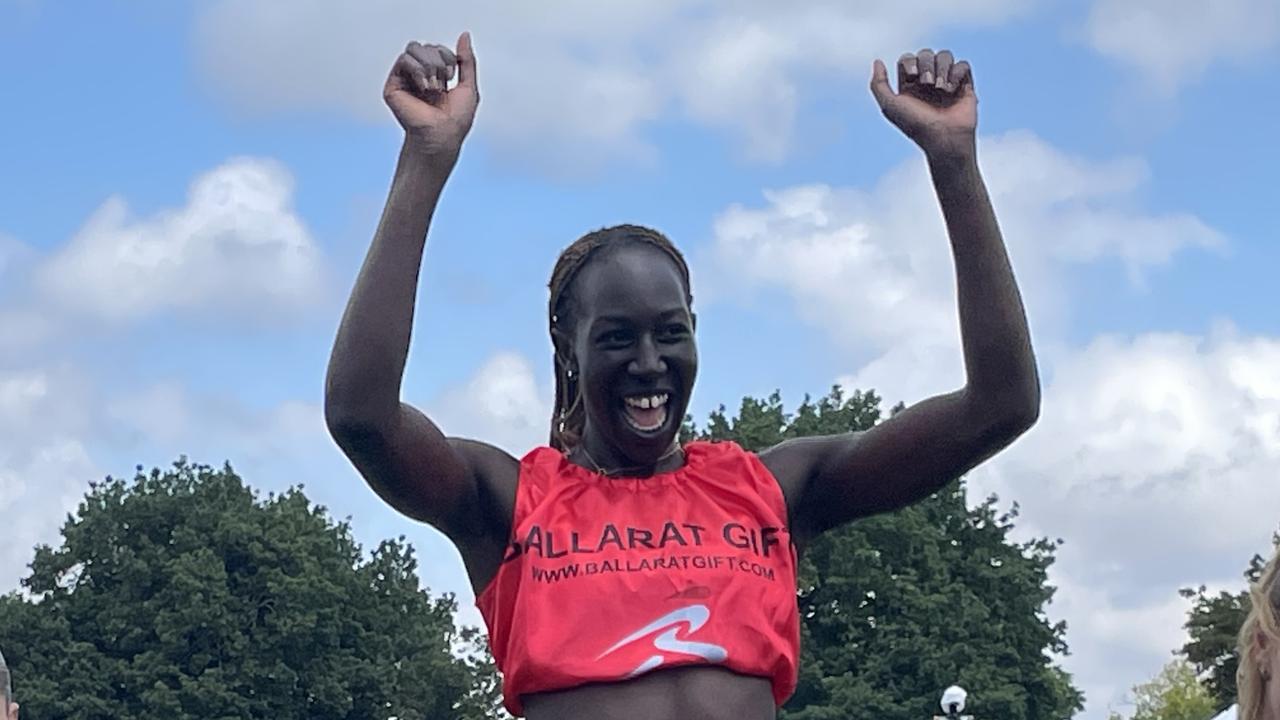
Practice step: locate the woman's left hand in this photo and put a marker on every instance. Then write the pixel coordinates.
(935, 104)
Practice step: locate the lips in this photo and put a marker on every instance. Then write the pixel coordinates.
(646, 413)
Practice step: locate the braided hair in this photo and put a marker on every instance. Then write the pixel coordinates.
(568, 417)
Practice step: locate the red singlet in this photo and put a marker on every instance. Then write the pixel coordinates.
(609, 578)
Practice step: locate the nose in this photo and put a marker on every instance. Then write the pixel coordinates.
(648, 361)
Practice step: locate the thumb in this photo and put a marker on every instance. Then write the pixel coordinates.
(466, 62)
(880, 88)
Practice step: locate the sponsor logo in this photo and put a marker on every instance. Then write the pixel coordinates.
(669, 628)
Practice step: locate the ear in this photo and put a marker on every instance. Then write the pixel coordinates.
(13, 711)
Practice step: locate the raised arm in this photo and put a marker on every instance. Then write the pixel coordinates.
(831, 480)
(401, 454)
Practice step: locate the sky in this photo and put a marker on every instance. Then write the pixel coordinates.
(187, 191)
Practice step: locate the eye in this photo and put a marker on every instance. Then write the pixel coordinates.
(614, 338)
(674, 332)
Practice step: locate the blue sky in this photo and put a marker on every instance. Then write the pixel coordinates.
(1128, 145)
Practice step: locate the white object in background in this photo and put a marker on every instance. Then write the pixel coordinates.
(1228, 714)
(953, 700)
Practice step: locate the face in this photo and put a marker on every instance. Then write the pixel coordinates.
(635, 353)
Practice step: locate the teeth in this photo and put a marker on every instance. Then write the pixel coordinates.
(646, 403)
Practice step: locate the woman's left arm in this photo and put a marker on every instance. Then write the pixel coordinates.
(914, 453)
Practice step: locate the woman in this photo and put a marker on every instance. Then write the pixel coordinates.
(1258, 675)
(621, 574)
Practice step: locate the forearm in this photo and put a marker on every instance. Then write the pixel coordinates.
(999, 362)
(372, 345)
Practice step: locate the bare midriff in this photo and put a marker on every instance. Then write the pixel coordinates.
(686, 693)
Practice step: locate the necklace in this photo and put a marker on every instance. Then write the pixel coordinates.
(675, 448)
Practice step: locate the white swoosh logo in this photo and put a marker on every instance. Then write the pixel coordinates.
(694, 616)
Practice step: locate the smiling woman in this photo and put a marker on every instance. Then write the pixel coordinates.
(620, 573)
(631, 304)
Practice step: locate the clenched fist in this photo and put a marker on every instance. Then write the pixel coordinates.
(935, 104)
(432, 114)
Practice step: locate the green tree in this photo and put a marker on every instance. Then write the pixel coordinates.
(185, 595)
(896, 607)
(1174, 694)
(1212, 624)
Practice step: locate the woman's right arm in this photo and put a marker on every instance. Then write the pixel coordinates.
(460, 487)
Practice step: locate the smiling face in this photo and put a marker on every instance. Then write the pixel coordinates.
(635, 354)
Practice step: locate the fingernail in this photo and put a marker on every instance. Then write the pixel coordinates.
(927, 78)
(913, 68)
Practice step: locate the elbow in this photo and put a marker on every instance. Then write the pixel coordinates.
(1008, 414)
(1022, 416)
(357, 408)
(347, 420)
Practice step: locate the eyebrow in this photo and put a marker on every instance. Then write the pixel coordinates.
(623, 319)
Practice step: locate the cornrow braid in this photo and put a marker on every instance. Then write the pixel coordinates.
(568, 416)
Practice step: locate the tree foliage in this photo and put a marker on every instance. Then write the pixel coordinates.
(897, 607)
(1174, 694)
(185, 595)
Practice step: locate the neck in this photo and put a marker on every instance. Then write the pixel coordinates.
(601, 457)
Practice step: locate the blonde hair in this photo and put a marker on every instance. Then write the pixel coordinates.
(1264, 620)
(6, 690)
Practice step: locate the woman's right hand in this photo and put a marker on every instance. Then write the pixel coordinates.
(433, 116)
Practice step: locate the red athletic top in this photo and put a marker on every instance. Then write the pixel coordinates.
(609, 578)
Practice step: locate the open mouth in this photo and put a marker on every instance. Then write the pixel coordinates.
(646, 413)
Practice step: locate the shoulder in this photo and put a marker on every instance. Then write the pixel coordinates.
(796, 461)
(495, 473)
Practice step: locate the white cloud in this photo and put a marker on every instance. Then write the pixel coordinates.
(502, 404)
(1157, 458)
(571, 84)
(236, 246)
(1173, 43)
(1174, 436)
(23, 330)
(44, 465)
(874, 268)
